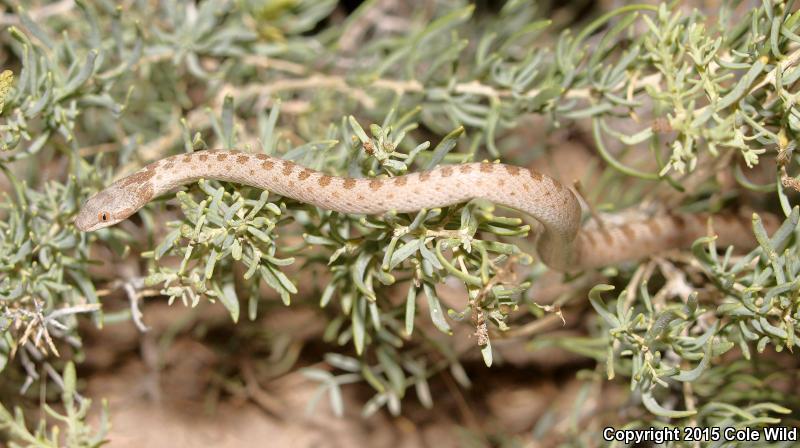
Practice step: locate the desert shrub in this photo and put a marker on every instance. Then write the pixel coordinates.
(91, 91)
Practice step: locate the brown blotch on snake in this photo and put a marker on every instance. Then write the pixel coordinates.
(628, 231)
(242, 159)
(562, 245)
(138, 178)
(375, 184)
(146, 193)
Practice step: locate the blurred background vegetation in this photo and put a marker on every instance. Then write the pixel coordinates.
(226, 315)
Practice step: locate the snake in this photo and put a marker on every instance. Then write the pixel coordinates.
(562, 244)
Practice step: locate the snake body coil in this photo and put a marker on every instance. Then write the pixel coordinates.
(561, 245)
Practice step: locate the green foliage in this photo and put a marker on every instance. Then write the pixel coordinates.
(94, 92)
(58, 80)
(44, 283)
(664, 345)
(218, 232)
(761, 290)
(77, 433)
(365, 255)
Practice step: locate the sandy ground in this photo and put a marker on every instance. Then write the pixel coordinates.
(170, 395)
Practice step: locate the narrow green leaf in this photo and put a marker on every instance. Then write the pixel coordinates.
(357, 321)
(411, 304)
(652, 405)
(229, 300)
(437, 315)
(397, 378)
(486, 353)
(597, 303)
(444, 147)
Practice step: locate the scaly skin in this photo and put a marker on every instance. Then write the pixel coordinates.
(561, 244)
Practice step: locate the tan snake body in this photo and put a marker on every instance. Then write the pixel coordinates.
(561, 244)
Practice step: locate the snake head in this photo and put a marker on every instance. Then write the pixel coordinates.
(112, 205)
(101, 210)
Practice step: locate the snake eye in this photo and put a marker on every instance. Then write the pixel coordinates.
(103, 216)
